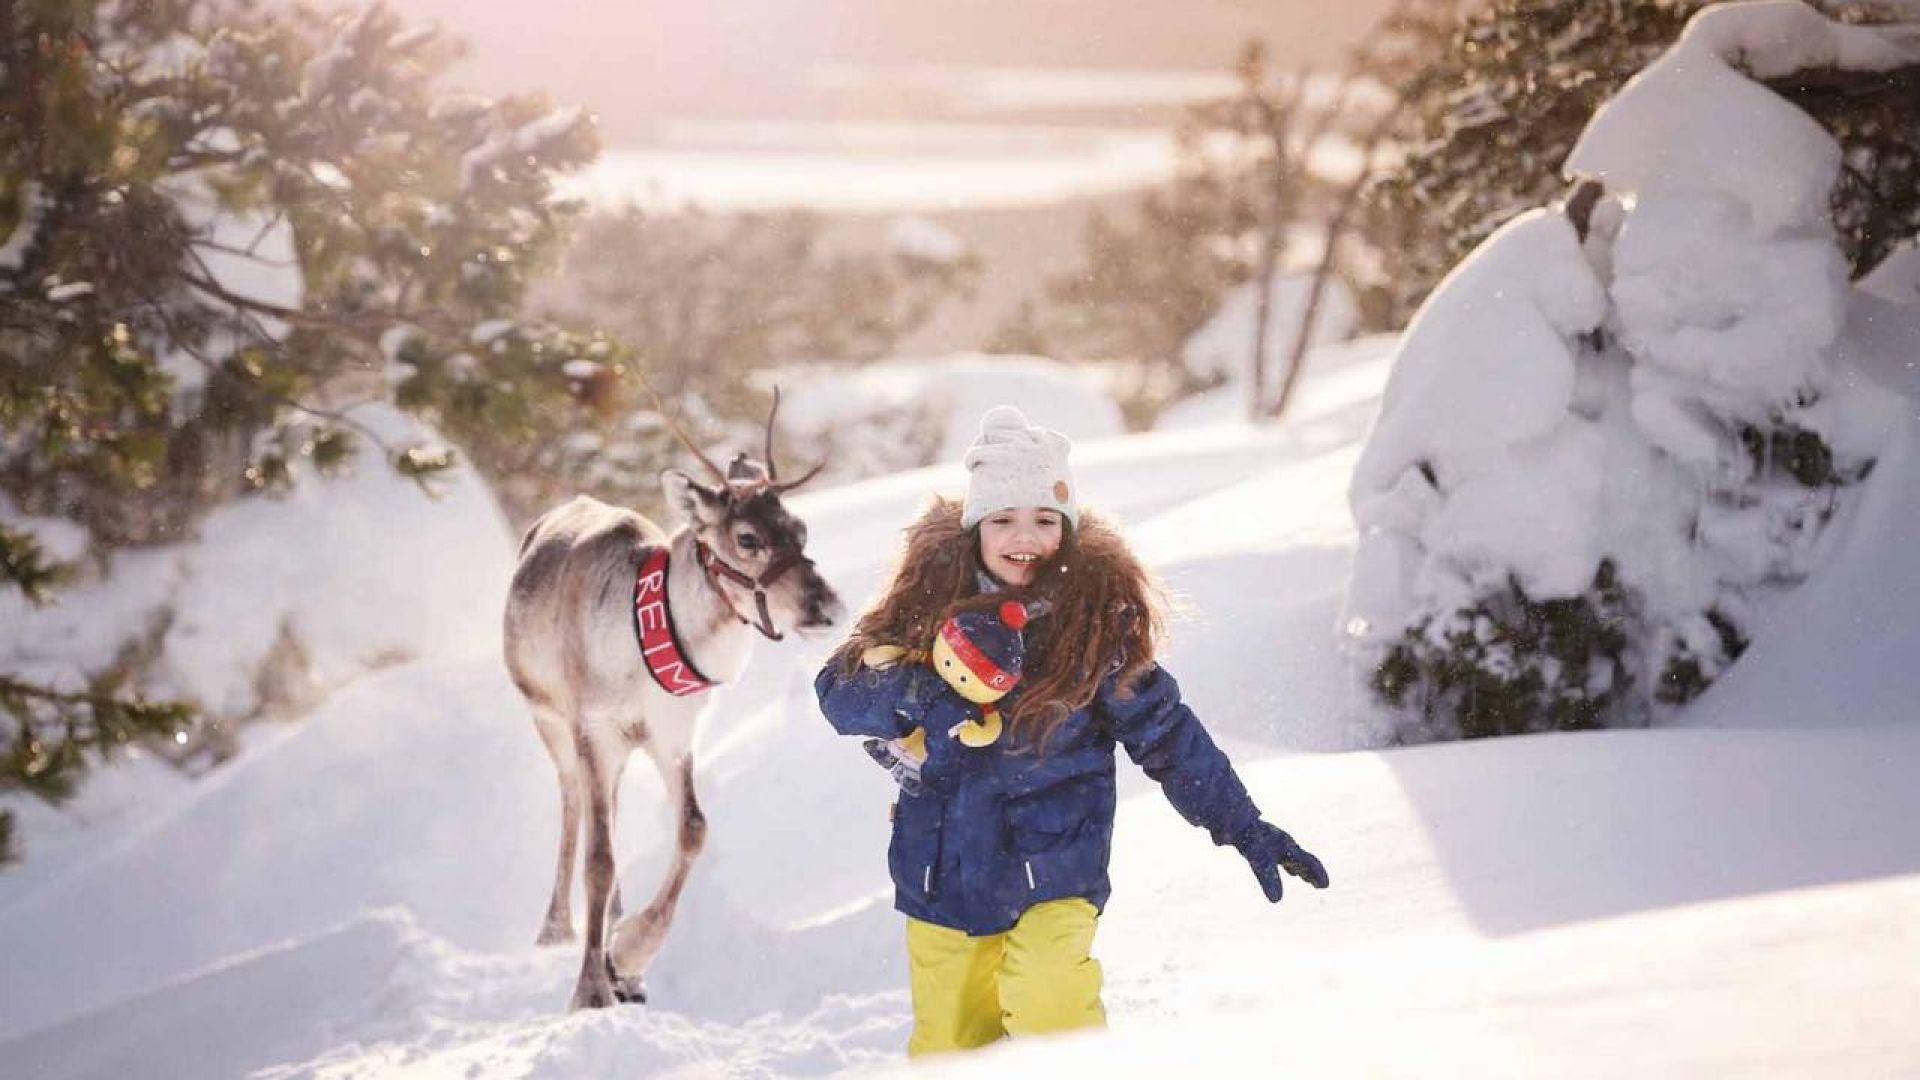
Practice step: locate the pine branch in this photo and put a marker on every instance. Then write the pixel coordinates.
(24, 565)
(58, 730)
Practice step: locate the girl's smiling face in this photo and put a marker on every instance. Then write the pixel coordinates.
(1014, 542)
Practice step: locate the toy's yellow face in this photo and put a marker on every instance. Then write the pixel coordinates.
(957, 676)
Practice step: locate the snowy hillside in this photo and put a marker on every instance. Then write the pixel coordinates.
(1732, 890)
(359, 896)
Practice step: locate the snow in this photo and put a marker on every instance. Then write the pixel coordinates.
(487, 332)
(59, 539)
(920, 169)
(1222, 350)
(907, 412)
(34, 202)
(1897, 277)
(1695, 120)
(925, 239)
(455, 108)
(1706, 295)
(1869, 586)
(1557, 485)
(248, 254)
(480, 161)
(1490, 353)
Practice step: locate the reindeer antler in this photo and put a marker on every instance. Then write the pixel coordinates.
(679, 432)
(773, 471)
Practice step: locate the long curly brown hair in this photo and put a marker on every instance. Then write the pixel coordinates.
(1103, 612)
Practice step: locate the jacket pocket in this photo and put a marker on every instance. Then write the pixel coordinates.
(914, 849)
(1075, 868)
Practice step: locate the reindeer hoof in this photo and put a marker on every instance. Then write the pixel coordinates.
(599, 995)
(597, 987)
(630, 990)
(555, 934)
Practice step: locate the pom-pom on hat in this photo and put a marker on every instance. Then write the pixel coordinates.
(1013, 464)
(988, 642)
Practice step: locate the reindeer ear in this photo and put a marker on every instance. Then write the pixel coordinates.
(694, 504)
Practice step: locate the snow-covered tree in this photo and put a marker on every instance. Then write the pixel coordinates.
(222, 226)
(1493, 100)
(1621, 428)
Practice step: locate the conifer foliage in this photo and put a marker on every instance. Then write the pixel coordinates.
(222, 227)
(1493, 100)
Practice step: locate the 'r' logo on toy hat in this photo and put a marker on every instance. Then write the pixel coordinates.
(989, 643)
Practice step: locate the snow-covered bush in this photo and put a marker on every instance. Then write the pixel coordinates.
(1622, 426)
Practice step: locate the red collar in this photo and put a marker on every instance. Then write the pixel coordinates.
(653, 624)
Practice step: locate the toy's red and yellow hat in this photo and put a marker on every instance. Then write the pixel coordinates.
(987, 644)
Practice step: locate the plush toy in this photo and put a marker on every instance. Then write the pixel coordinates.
(977, 652)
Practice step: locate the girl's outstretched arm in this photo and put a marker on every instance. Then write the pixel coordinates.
(1169, 743)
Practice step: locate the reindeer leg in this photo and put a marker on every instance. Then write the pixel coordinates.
(594, 989)
(615, 907)
(637, 939)
(555, 732)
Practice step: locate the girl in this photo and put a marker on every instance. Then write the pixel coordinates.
(999, 852)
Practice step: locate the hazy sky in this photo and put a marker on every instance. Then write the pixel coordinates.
(640, 62)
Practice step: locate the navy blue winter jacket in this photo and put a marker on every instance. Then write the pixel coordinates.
(1000, 828)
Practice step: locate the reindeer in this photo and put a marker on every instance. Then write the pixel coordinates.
(577, 601)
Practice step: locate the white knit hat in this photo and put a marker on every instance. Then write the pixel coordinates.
(1012, 464)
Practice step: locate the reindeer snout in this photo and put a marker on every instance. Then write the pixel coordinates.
(823, 609)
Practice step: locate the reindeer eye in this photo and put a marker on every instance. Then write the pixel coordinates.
(748, 541)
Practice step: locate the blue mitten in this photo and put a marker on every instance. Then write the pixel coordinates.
(1268, 849)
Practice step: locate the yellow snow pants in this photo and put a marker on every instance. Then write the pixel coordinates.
(1036, 978)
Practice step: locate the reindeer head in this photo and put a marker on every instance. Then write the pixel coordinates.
(753, 549)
